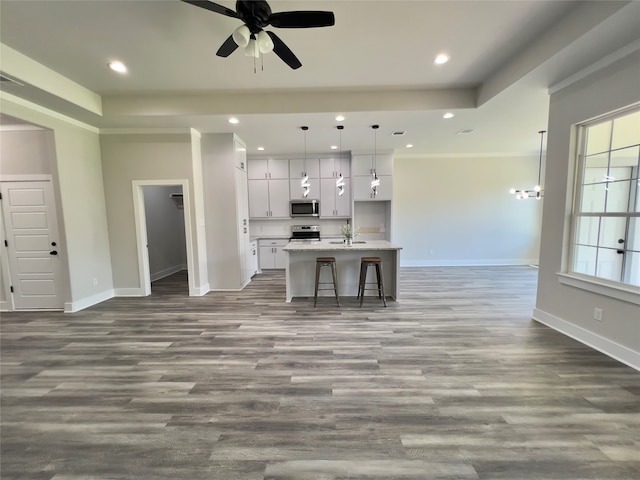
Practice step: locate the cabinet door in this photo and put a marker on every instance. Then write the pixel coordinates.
(280, 258)
(240, 155)
(242, 198)
(267, 258)
(243, 247)
(363, 164)
(295, 190)
(259, 199)
(279, 198)
(278, 168)
(343, 202)
(334, 166)
(362, 188)
(258, 169)
(328, 195)
(296, 167)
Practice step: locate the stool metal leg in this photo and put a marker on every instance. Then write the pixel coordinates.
(381, 284)
(315, 296)
(334, 270)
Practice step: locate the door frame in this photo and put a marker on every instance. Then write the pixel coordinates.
(9, 305)
(140, 219)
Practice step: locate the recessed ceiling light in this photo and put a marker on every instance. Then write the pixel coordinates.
(340, 118)
(409, 145)
(261, 148)
(334, 147)
(233, 120)
(448, 115)
(118, 66)
(442, 58)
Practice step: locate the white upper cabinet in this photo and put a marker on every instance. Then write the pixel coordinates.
(363, 164)
(362, 188)
(267, 169)
(332, 204)
(297, 167)
(334, 166)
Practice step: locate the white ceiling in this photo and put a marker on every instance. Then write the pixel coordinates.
(374, 66)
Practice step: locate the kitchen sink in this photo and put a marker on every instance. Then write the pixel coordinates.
(341, 242)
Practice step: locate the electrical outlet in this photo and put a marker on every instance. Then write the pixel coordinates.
(95, 281)
(597, 314)
(431, 253)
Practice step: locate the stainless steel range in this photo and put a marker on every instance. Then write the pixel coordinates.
(305, 233)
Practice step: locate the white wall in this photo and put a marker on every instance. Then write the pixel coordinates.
(165, 231)
(129, 157)
(564, 307)
(77, 176)
(458, 211)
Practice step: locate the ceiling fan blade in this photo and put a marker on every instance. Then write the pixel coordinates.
(280, 49)
(304, 19)
(227, 48)
(214, 7)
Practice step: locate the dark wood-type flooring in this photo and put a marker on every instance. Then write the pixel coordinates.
(455, 381)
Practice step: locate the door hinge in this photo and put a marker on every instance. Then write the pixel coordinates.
(6, 244)
(11, 288)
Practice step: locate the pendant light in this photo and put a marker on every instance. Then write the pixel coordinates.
(375, 181)
(304, 183)
(537, 191)
(340, 179)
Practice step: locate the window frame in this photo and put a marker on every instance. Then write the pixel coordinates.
(601, 285)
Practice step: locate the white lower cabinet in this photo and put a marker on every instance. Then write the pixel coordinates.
(271, 254)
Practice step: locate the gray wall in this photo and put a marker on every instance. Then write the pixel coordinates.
(458, 211)
(567, 308)
(165, 231)
(129, 157)
(77, 177)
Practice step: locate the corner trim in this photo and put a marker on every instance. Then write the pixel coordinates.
(199, 291)
(72, 307)
(610, 348)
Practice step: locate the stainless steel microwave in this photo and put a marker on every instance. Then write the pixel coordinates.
(304, 208)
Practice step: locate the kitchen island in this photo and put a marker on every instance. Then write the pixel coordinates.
(301, 266)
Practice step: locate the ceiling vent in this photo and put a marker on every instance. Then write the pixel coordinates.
(466, 131)
(8, 80)
(397, 133)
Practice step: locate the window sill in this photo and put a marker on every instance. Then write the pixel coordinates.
(626, 293)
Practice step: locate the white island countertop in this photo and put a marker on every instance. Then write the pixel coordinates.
(301, 265)
(338, 245)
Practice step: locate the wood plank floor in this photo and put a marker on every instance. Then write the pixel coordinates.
(453, 382)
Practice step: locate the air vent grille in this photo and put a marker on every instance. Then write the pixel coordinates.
(466, 131)
(397, 133)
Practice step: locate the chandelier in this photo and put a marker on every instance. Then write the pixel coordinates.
(536, 192)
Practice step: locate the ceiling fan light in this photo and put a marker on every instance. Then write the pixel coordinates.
(241, 36)
(265, 44)
(252, 50)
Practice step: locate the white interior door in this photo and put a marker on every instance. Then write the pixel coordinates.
(35, 266)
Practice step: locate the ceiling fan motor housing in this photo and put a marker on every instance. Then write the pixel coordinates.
(255, 14)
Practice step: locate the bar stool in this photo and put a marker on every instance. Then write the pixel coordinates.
(365, 263)
(326, 262)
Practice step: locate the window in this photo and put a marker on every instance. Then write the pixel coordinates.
(606, 210)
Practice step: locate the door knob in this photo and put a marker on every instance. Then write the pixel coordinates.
(621, 240)
(54, 252)
(619, 252)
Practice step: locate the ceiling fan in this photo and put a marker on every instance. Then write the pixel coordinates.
(256, 14)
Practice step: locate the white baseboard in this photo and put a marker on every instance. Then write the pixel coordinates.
(76, 306)
(199, 291)
(612, 349)
(167, 271)
(5, 306)
(475, 262)
(129, 292)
